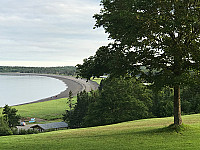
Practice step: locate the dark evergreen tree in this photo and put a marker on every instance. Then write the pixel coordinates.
(75, 116)
(70, 100)
(68, 116)
(10, 116)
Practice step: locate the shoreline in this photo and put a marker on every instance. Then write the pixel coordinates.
(74, 84)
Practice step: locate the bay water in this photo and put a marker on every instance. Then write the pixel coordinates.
(27, 88)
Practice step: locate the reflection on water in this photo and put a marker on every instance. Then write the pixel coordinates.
(22, 89)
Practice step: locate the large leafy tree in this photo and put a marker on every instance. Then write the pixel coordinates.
(162, 35)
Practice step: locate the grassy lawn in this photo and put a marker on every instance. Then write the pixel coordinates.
(48, 110)
(97, 80)
(137, 135)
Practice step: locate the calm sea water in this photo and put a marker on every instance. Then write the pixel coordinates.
(22, 89)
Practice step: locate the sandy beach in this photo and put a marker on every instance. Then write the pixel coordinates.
(74, 84)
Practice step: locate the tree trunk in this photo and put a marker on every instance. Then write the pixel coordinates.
(177, 106)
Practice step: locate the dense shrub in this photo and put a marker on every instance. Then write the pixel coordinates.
(190, 96)
(4, 129)
(162, 102)
(75, 117)
(23, 131)
(118, 100)
(15, 131)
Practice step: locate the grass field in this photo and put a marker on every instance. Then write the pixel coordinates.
(135, 135)
(97, 80)
(48, 110)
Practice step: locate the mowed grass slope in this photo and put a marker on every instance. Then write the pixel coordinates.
(48, 110)
(135, 135)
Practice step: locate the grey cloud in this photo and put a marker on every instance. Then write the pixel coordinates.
(49, 30)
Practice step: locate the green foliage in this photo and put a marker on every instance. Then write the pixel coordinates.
(97, 65)
(10, 116)
(162, 102)
(23, 131)
(75, 117)
(191, 98)
(120, 100)
(66, 70)
(4, 128)
(162, 36)
(68, 116)
(15, 131)
(124, 99)
(102, 62)
(70, 100)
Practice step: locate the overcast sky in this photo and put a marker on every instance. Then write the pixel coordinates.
(48, 32)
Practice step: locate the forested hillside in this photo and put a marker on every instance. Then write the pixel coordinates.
(66, 70)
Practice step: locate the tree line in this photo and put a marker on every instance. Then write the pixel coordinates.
(126, 99)
(65, 70)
